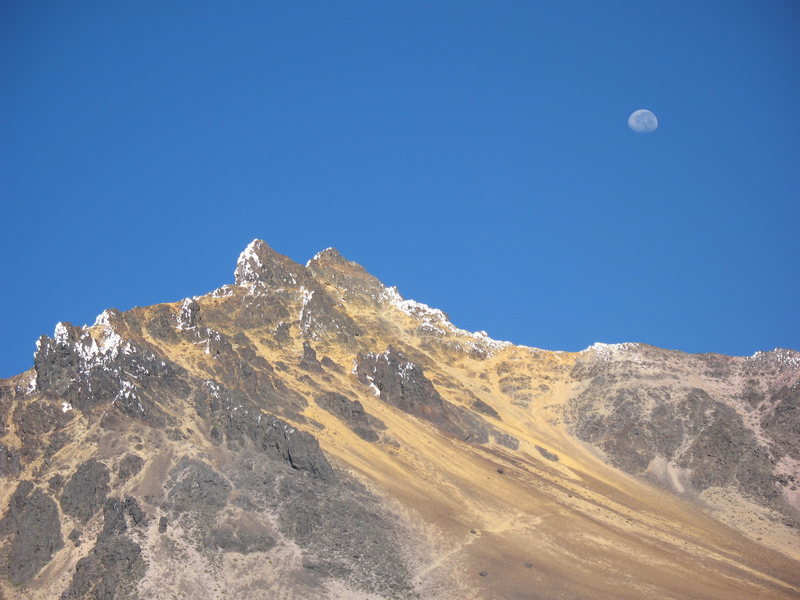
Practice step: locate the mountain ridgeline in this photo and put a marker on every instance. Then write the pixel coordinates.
(305, 432)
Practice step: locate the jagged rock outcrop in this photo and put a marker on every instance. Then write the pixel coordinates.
(129, 466)
(310, 362)
(238, 423)
(350, 280)
(640, 409)
(352, 412)
(319, 317)
(86, 491)
(402, 383)
(33, 524)
(115, 561)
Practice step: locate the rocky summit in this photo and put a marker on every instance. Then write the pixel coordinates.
(306, 433)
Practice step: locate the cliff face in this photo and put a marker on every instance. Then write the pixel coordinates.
(307, 433)
(696, 422)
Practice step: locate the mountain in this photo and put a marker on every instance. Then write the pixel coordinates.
(306, 433)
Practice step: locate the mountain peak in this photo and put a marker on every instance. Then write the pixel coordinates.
(311, 419)
(330, 254)
(258, 262)
(352, 281)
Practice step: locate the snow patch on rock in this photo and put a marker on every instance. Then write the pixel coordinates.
(104, 318)
(305, 298)
(318, 255)
(249, 263)
(188, 314)
(434, 321)
(781, 356)
(95, 346)
(609, 351)
(61, 333)
(223, 292)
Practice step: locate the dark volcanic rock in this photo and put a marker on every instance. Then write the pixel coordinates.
(260, 263)
(57, 362)
(345, 534)
(547, 454)
(88, 373)
(727, 453)
(782, 420)
(5, 403)
(197, 487)
(86, 491)
(403, 384)
(506, 440)
(237, 421)
(350, 278)
(267, 308)
(75, 537)
(639, 423)
(351, 412)
(162, 324)
(39, 426)
(117, 512)
(330, 365)
(343, 530)
(115, 561)
(309, 361)
(485, 409)
(58, 440)
(32, 518)
(39, 418)
(237, 365)
(56, 482)
(635, 410)
(129, 466)
(15, 506)
(319, 316)
(9, 462)
(217, 345)
(476, 430)
(189, 316)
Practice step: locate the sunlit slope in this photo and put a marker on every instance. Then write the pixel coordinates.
(500, 471)
(584, 525)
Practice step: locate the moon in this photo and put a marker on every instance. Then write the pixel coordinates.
(643, 121)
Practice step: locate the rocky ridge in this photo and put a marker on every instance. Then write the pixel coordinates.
(307, 432)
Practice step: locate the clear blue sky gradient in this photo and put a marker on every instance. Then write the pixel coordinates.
(475, 154)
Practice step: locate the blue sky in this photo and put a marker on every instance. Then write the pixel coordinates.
(475, 154)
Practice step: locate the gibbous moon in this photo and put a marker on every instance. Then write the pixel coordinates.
(643, 121)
